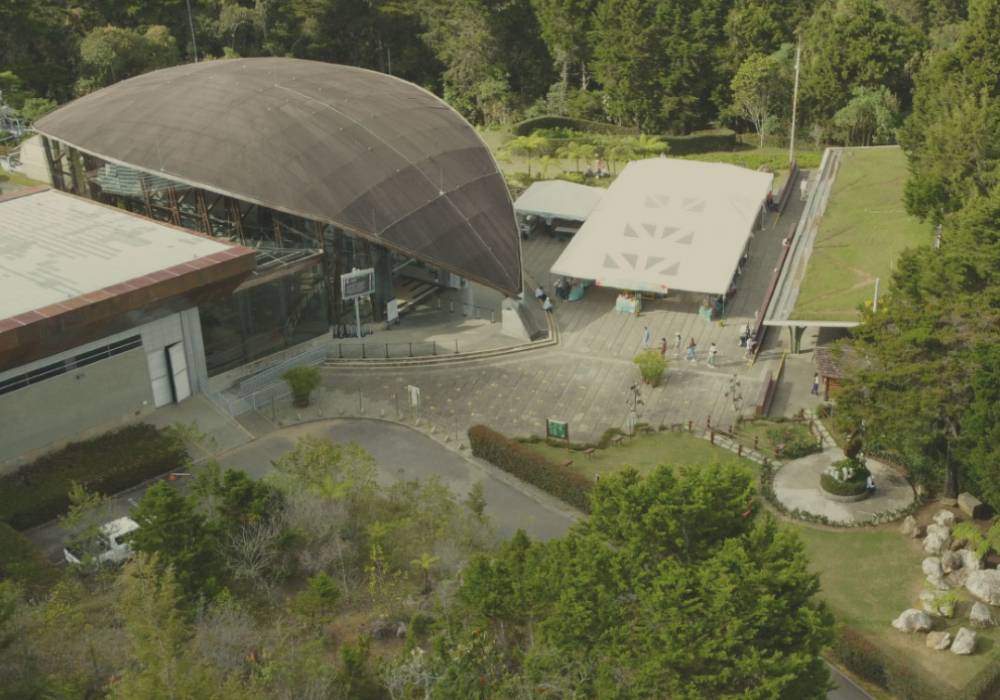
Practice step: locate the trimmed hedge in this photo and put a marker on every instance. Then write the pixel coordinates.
(871, 663)
(109, 463)
(552, 121)
(701, 142)
(857, 484)
(22, 563)
(527, 465)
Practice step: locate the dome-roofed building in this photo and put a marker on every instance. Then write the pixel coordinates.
(320, 168)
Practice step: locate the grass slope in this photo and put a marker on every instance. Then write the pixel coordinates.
(644, 453)
(863, 231)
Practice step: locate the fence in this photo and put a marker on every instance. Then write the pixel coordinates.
(364, 351)
(237, 405)
(271, 375)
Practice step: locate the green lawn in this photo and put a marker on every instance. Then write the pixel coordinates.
(861, 234)
(644, 453)
(18, 179)
(868, 577)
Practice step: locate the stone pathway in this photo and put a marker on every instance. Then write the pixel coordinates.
(796, 485)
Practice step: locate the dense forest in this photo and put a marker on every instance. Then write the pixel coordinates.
(653, 65)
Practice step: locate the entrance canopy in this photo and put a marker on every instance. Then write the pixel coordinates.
(668, 224)
(558, 199)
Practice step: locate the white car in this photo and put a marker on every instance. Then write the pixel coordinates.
(112, 546)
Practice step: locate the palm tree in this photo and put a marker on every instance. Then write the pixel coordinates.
(645, 145)
(528, 146)
(577, 152)
(546, 162)
(425, 563)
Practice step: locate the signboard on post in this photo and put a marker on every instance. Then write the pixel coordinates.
(359, 283)
(558, 429)
(392, 311)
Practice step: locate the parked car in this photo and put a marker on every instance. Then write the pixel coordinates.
(112, 545)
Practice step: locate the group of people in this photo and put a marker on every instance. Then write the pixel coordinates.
(544, 298)
(692, 347)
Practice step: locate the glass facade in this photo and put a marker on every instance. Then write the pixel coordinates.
(263, 319)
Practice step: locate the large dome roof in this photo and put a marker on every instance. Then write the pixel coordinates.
(371, 153)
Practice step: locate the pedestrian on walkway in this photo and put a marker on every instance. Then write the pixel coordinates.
(547, 304)
(713, 350)
(815, 389)
(692, 349)
(678, 342)
(663, 348)
(645, 336)
(751, 344)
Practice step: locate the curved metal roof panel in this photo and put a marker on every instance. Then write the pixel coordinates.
(368, 152)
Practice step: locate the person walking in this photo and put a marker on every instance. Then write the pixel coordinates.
(751, 344)
(678, 342)
(815, 389)
(692, 349)
(645, 336)
(713, 350)
(663, 348)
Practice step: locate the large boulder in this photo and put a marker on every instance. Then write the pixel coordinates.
(970, 560)
(913, 620)
(938, 640)
(985, 585)
(981, 615)
(910, 528)
(937, 540)
(964, 643)
(973, 507)
(944, 517)
(957, 578)
(932, 567)
(950, 561)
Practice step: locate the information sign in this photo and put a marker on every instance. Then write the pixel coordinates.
(558, 429)
(359, 283)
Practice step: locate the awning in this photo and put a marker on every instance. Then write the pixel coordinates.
(559, 199)
(669, 224)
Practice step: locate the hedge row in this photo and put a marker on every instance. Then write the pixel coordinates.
(867, 660)
(22, 563)
(108, 463)
(527, 465)
(701, 142)
(552, 121)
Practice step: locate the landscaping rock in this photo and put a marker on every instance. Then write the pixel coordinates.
(910, 527)
(957, 579)
(973, 507)
(950, 561)
(913, 620)
(985, 585)
(937, 540)
(939, 641)
(944, 517)
(965, 642)
(981, 615)
(932, 567)
(970, 560)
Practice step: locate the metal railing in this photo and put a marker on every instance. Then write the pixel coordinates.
(388, 351)
(237, 405)
(261, 380)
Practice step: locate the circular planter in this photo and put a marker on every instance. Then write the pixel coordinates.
(844, 499)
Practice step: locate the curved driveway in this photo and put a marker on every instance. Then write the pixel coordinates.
(402, 453)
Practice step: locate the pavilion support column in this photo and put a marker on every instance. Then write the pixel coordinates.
(795, 334)
(52, 160)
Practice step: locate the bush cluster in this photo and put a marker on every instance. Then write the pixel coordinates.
(794, 439)
(566, 125)
(22, 563)
(850, 487)
(109, 463)
(528, 465)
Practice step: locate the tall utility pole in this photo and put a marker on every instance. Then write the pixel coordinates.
(795, 101)
(194, 43)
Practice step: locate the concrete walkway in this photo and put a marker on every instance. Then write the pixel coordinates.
(796, 485)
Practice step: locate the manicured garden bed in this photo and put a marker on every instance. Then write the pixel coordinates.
(109, 463)
(793, 436)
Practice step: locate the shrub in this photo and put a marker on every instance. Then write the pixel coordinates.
(22, 563)
(792, 440)
(109, 463)
(849, 487)
(528, 465)
(302, 381)
(651, 364)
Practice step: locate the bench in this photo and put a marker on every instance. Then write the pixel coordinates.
(590, 452)
(567, 463)
(617, 440)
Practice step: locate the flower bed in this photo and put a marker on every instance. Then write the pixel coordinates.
(845, 478)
